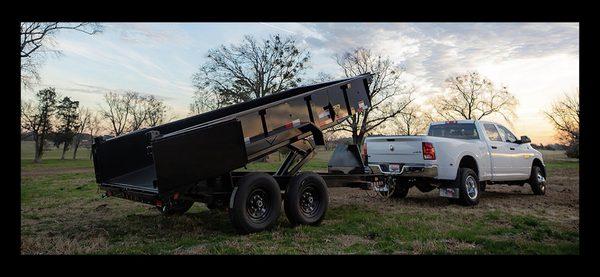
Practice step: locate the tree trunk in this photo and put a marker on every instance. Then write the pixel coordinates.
(357, 139)
(62, 157)
(37, 156)
(92, 137)
(75, 146)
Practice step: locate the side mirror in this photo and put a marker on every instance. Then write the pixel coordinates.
(525, 139)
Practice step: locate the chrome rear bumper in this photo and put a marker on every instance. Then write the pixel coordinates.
(409, 170)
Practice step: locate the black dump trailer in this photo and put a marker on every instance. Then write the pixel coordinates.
(198, 159)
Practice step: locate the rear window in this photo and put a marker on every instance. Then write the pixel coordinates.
(454, 130)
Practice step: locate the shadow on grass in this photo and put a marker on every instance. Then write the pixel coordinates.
(504, 194)
(205, 222)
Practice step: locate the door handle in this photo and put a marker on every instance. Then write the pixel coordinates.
(494, 147)
(512, 148)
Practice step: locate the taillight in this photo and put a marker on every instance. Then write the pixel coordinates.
(428, 151)
(364, 152)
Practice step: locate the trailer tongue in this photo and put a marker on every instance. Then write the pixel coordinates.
(194, 159)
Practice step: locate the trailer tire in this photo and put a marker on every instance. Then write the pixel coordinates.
(175, 207)
(306, 199)
(468, 187)
(537, 181)
(256, 203)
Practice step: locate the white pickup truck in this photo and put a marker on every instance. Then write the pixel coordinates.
(458, 157)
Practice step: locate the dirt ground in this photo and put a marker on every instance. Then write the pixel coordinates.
(560, 204)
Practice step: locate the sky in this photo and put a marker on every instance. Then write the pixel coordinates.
(538, 62)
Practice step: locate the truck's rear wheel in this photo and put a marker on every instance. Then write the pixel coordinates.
(537, 181)
(306, 199)
(256, 203)
(175, 207)
(468, 186)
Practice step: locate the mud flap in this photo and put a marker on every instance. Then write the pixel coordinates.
(450, 192)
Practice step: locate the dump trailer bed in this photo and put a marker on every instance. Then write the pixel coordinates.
(195, 158)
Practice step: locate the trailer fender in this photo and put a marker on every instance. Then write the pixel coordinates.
(231, 199)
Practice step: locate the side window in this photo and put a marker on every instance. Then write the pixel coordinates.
(502, 133)
(510, 137)
(492, 132)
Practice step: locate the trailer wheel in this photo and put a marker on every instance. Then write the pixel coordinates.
(256, 203)
(537, 181)
(175, 207)
(468, 186)
(306, 199)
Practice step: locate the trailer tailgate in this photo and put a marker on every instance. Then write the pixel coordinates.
(196, 154)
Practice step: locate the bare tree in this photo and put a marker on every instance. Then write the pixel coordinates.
(84, 116)
(321, 77)
(139, 111)
(34, 36)
(157, 111)
(133, 111)
(472, 96)
(564, 115)
(249, 70)
(118, 111)
(95, 125)
(37, 119)
(411, 121)
(389, 93)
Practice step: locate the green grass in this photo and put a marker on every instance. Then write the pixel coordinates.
(131, 228)
(63, 213)
(56, 164)
(562, 164)
(28, 152)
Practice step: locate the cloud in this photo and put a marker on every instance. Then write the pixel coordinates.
(116, 56)
(160, 58)
(432, 51)
(150, 34)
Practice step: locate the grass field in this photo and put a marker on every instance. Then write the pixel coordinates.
(63, 213)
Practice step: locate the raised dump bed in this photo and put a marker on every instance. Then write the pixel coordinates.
(194, 159)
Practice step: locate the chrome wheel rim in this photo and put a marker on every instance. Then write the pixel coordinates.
(541, 181)
(540, 178)
(471, 186)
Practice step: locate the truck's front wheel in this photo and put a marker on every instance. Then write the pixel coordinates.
(256, 203)
(306, 199)
(468, 186)
(537, 181)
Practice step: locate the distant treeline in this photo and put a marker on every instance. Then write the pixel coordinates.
(553, 146)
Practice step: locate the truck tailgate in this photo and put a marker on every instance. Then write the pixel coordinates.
(400, 149)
